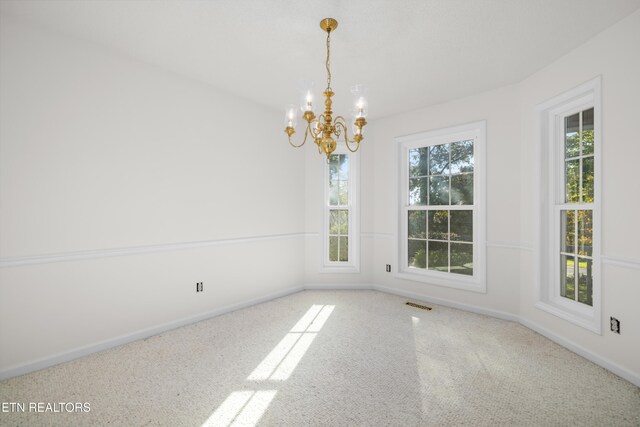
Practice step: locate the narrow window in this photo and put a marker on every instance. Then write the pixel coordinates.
(341, 248)
(576, 211)
(339, 208)
(568, 243)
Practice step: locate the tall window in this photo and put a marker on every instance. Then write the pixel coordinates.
(441, 236)
(569, 244)
(576, 211)
(339, 208)
(341, 249)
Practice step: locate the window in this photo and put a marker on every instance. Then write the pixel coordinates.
(441, 215)
(341, 249)
(568, 250)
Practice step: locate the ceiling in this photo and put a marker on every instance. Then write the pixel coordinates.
(410, 53)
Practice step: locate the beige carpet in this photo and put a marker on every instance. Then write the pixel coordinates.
(333, 358)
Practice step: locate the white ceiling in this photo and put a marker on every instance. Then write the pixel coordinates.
(410, 53)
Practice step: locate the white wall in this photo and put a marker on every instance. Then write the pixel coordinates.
(511, 140)
(100, 151)
(613, 54)
(499, 109)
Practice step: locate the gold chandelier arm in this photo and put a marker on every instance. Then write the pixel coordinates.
(339, 122)
(306, 133)
(313, 130)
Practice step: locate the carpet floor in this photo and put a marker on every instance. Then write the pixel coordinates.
(332, 358)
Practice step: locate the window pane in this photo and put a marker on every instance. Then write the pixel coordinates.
(587, 131)
(438, 225)
(438, 256)
(333, 193)
(334, 163)
(461, 226)
(438, 190)
(334, 222)
(419, 161)
(567, 275)
(462, 258)
(585, 281)
(587, 180)
(572, 136)
(344, 248)
(343, 193)
(418, 189)
(568, 230)
(585, 232)
(462, 189)
(344, 167)
(333, 248)
(439, 159)
(417, 254)
(572, 180)
(418, 224)
(344, 221)
(462, 157)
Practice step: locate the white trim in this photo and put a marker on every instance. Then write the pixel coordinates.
(509, 246)
(607, 364)
(376, 235)
(136, 250)
(621, 262)
(478, 132)
(49, 361)
(85, 350)
(339, 287)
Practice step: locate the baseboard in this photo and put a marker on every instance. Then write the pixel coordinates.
(632, 377)
(339, 286)
(67, 356)
(448, 303)
(145, 333)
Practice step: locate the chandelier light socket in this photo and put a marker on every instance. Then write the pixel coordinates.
(289, 131)
(308, 116)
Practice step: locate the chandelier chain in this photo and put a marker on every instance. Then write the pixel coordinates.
(328, 60)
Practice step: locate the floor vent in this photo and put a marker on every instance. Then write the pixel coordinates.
(413, 304)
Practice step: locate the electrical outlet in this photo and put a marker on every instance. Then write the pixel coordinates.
(199, 287)
(615, 325)
(388, 268)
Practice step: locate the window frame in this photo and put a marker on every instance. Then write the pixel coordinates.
(353, 207)
(551, 199)
(475, 131)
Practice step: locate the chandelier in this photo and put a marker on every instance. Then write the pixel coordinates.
(324, 128)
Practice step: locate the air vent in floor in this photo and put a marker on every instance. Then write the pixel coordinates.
(423, 307)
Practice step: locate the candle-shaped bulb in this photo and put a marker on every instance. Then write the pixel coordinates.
(360, 104)
(290, 116)
(306, 95)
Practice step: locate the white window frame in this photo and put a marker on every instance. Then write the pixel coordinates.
(475, 131)
(551, 194)
(353, 264)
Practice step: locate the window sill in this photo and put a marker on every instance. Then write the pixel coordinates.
(432, 278)
(589, 322)
(339, 269)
